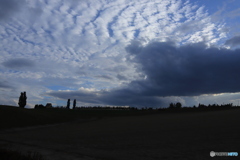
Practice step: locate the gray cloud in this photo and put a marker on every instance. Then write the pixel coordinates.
(118, 68)
(188, 70)
(18, 63)
(104, 77)
(190, 27)
(235, 13)
(84, 96)
(8, 7)
(121, 77)
(118, 97)
(5, 84)
(235, 41)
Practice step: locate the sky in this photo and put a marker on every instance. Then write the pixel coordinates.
(138, 53)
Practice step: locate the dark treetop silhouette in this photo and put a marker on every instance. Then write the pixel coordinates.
(68, 104)
(22, 100)
(74, 104)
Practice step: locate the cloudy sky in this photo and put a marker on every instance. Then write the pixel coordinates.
(120, 52)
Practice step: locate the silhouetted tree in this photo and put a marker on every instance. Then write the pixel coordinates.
(48, 105)
(36, 106)
(22, 100)
(201, 105)
(68, 104)
(39, 106)
(178, 105)
(171, 105)
(74, 104)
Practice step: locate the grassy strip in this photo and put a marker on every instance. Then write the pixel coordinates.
(15, 117)
(11, 117)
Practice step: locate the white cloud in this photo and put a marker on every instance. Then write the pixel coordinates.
(79, 40)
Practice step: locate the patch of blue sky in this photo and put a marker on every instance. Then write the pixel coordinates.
(12, 71)
(136, 33)
(77, 60)
(99, 12)
(60, 103)
(109, 26)
(75, 19)
(109, 47)
(229, 8)
(27, 41)
(114, 20)
(211, 6)
(88, 84)
(132, 23)
(55, 103)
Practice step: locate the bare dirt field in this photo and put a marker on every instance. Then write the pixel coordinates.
(149, 137)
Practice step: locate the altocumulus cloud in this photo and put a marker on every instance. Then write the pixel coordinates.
(189, 70)
(51, 45)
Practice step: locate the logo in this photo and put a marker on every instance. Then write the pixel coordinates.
(213, 154)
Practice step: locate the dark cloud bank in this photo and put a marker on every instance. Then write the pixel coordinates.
(18, 63)
(188, 70)
(235, 41)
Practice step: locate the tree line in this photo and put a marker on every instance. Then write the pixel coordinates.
(172, 106)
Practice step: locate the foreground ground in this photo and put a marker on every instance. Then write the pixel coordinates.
(145, 137)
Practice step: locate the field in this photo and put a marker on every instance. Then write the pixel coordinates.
(120, 135)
